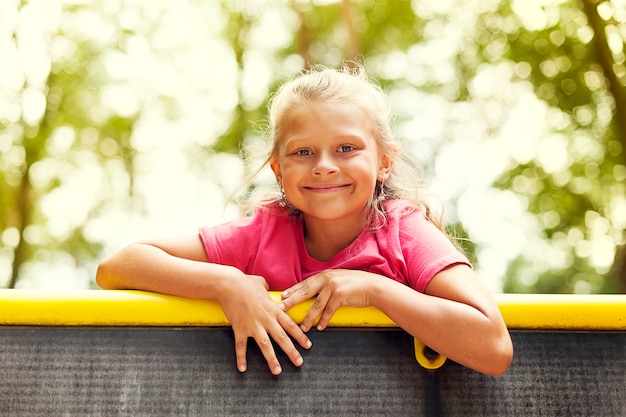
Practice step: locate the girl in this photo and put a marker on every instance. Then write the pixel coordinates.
(347, 226)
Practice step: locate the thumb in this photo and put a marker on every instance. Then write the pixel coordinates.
(262, 281)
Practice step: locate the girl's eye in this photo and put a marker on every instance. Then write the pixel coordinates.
(302, 152)
(346, 148)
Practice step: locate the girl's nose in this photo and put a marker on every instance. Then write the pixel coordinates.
(324, 164)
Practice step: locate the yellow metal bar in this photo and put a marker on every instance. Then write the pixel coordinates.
(136, 308)
(563, 311)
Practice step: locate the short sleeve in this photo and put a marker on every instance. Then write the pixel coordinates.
(264, 245)
(426, 250)
(232, 243)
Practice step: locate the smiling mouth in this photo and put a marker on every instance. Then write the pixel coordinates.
(324, 188)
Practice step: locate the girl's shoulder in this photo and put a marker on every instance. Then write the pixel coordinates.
(273, 210)
(273, 216)
(260, 218)
(399, 209)
(408, 220)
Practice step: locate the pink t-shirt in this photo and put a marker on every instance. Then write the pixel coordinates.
(408, 249)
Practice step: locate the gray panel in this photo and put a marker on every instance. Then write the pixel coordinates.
(92, 372)
(190, 372)
(553, 374)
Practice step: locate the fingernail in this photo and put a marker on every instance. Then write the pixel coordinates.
(281, 306)
(242, 368)
(308, 344)
(277, 370)
(299, 361)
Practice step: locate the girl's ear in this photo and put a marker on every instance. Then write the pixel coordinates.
(276, 169)
(385, 166)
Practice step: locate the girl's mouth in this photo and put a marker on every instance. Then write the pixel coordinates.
(321, 188)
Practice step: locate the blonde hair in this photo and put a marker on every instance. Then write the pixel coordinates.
(346, 84)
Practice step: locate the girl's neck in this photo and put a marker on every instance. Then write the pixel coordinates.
(326, 238)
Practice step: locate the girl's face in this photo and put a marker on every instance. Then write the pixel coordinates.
(328, 161)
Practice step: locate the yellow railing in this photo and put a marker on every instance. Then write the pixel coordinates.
(137, 308)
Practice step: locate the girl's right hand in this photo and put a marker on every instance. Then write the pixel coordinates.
(252, 313)
(179, 266)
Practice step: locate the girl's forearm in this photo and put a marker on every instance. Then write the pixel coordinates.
(456, 330)
(147, 267)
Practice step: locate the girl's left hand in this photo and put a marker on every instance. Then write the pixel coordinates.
(334, 288)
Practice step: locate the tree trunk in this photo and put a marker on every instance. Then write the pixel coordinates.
(23, 209)
(353, 45)
(303, 37)
(605, 59)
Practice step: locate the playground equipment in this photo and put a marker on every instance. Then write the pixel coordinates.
(131, 353)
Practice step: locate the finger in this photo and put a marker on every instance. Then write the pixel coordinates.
(265, 344)
(298, 293)
(314, 312)
(299, 290)
(294, 330)
(328, 313)
(294, 288)
(264, 283)
(285, 343)
(241, 344)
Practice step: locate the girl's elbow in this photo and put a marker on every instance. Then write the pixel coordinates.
(502, 356)
(104, 276)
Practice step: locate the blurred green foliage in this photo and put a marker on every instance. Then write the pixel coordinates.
(570, 52)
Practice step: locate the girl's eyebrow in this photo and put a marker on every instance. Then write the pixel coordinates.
(295, 141)
(344, 136)
(351, 137)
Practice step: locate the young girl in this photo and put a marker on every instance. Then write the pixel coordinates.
(347, 226)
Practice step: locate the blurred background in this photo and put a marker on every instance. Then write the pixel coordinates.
(124, 120)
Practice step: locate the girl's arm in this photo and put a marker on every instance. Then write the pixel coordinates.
(180, 267)
(457, 316)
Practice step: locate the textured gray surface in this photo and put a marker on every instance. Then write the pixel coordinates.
(155, 372)
(91, 372)
(553, 374)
